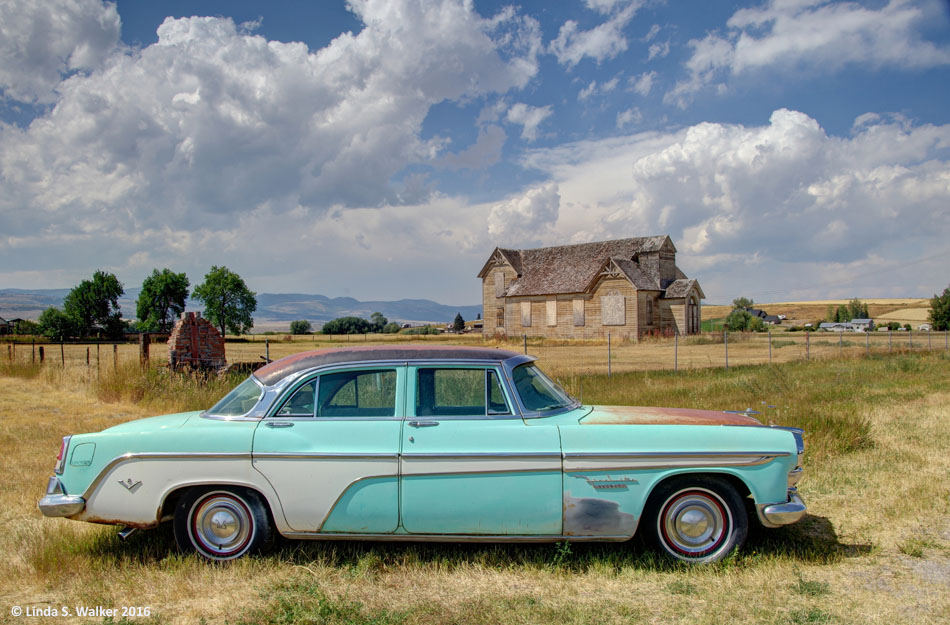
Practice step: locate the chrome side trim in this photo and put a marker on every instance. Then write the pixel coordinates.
(456, 538)
(779, 514)
(482, 455)
(319, 455)
(159, 455)
(610, 455)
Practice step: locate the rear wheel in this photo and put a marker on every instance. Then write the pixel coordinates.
(222, 523)
(697, 519)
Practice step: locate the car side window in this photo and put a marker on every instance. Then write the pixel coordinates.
(454, 392)
(357, 394)
(300, 403)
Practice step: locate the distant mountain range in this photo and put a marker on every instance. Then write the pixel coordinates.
(272, 308)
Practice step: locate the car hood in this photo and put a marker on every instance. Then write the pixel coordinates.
(154, 424)
(640, 415)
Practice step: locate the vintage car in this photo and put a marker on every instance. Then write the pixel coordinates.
(430, 443)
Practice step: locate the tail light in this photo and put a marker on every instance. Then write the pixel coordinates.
(61, 457)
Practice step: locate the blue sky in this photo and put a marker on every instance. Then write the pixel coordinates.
(793, 149)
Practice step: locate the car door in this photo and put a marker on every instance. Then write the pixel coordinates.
(331, 450)
(469, 463)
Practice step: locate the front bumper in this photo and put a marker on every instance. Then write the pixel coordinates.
(58, 503)
(779, 514)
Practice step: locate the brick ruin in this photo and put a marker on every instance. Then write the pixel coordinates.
(195, 343)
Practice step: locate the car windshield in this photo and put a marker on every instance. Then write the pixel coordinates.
(538, 392)
(239, 401)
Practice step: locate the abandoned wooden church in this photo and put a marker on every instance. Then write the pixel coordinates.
(628, 287)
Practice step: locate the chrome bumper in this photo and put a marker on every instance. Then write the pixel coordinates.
(58, 503)
(779, 514)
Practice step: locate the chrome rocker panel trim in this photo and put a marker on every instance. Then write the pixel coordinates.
(778, 514)
(456, 538)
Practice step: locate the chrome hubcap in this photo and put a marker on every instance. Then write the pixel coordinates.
(221, 525)
(694, 522)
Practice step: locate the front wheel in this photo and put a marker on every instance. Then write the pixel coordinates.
(697, 519)
(222, 523)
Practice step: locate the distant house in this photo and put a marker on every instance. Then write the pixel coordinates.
(925, 327)
(626, 287)
(862, 325)
(772, 319)
(5, 327)
(835, 326)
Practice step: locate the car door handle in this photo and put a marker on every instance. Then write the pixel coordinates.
(423, 424)
(279, 424)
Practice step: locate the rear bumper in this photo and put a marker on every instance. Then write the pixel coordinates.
(779, 514)
(58, 503)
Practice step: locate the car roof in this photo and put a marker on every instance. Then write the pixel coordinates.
(277, 370)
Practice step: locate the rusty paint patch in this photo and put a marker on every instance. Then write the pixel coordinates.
(590, 516)
(641, 415)
(102, 521)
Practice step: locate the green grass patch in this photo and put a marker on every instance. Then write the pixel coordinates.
(300, 601)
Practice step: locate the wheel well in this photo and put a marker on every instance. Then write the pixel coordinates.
(167, 510)
(740, 487)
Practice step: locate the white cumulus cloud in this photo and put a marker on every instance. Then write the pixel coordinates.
(529, 118)
(604, 41)
(524, 218)
(41, 42)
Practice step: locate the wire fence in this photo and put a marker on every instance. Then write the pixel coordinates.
(604, 356)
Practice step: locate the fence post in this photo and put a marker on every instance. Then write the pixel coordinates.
(524, 338)
(608, 354)
(42, 354)
(62, 353)
(867, 343)
(890, 335)
(725, 341)
(840, 343)
(807, 346)
(676, 345)
(9, 353)
(144, 340)
(87, 358)
(929, 344)
(33, 358)
(910, 335)
(770, 345)
(115, 357)
(266, 350)
(97, 357)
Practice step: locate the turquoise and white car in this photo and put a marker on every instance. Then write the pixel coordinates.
(430, 443)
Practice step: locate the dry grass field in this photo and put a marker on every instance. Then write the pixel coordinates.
(907, 310)
(875, 547)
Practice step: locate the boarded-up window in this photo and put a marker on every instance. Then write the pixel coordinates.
(526, 314)
(649, 312)
(499, 284)
(578, 312)
(552, 312)
(613, 309)
(500, 317)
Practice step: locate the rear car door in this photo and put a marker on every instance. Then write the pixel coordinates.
(331, 450)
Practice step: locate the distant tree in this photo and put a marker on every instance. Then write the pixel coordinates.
(893, 325)
(378, 321)
(940, 311)
(857, 310)
(424, 330)
(93, 305)
(459, 323)
(738, 320)
(347, 325)
(161, 300)
(229, 304)
(56, 325)
(742, 302)
(908, 327)
(28, 327)
(391, 328)
(301, 326)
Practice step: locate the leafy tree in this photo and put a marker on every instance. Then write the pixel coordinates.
(940, 311)
(893, 325)
(458, 324)
(907, 327)
(93, 305)
(742, 302)
(56, 325)
(161, 300)
(301, 326)
(391, 328)
(27, 327)
(857, 310)
(229, 304)
(347, 325)
(738, 320)
(378, 322)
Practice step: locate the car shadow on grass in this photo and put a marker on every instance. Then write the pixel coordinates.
(812, 540)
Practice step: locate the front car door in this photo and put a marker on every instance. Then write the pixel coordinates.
(330, 449)
(470, 465)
